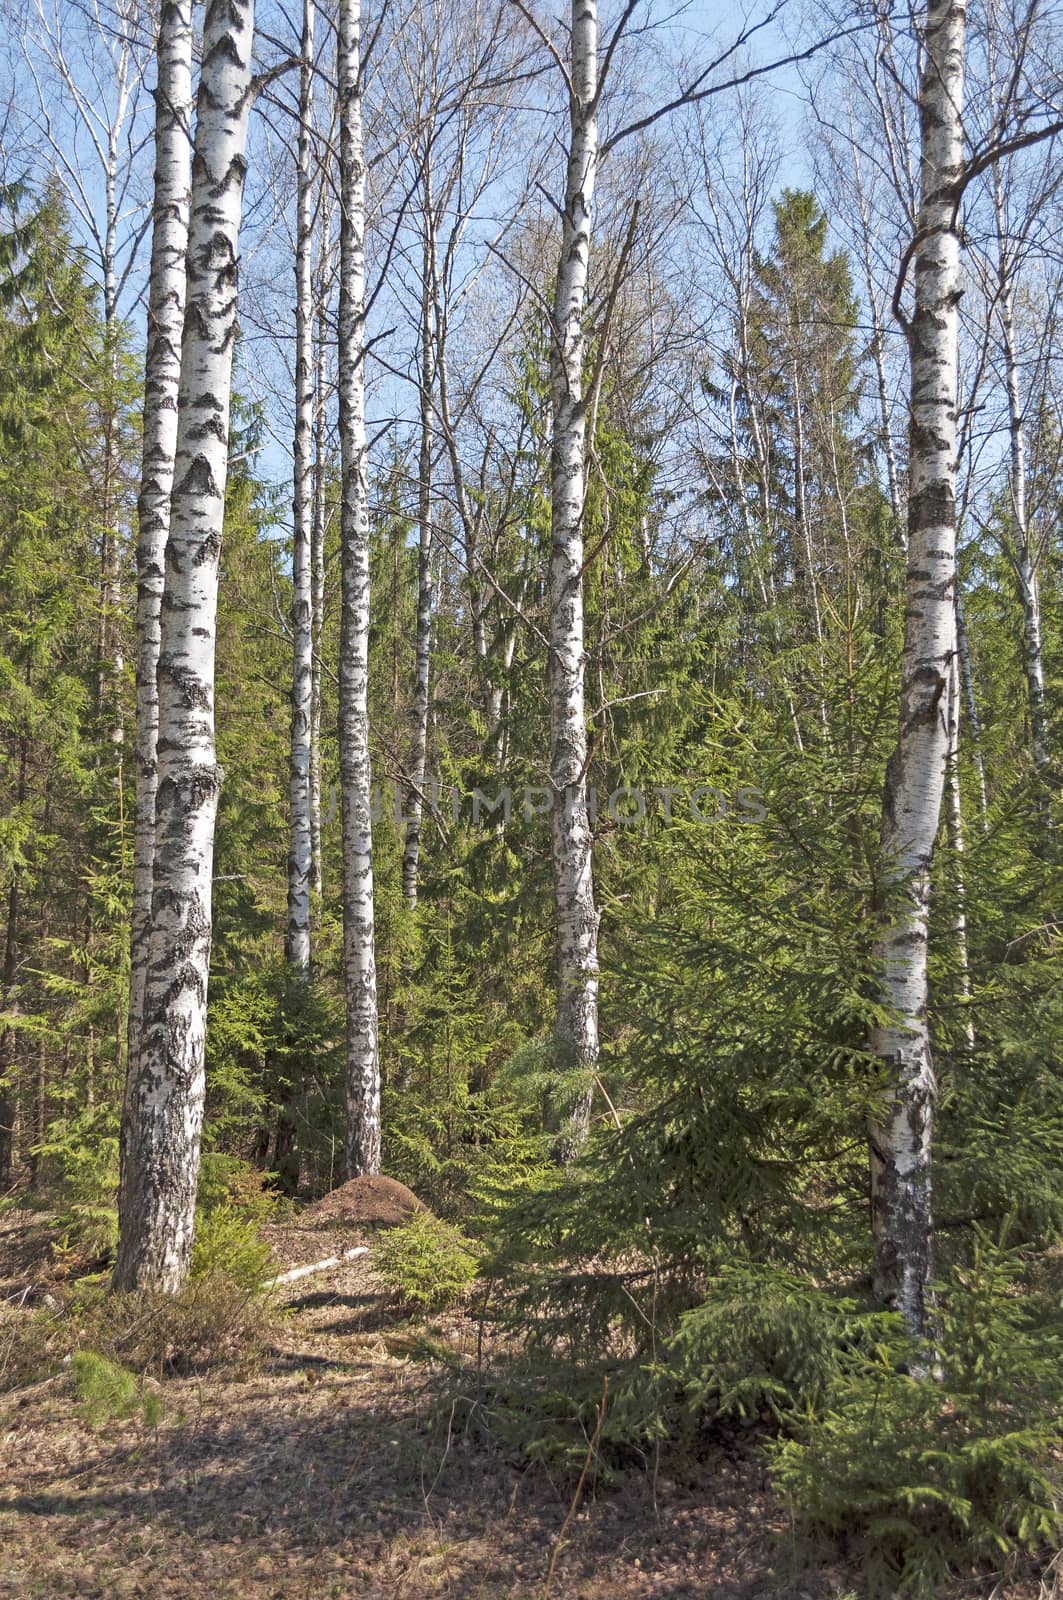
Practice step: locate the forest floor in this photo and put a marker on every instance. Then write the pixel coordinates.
(337, 1463)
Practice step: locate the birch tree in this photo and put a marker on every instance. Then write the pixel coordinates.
(165, 1105)
(576, 913)
(466, 135)
(900, 1139)
(570, 830)
(318, 530)
(162, 372)
(362, 1075)
(300, 846)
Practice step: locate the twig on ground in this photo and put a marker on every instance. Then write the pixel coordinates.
(591, 1451)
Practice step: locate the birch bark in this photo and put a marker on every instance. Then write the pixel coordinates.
(162, 374)
(300, 839)
(317, 558)
(359, 961)
(165, 1111)
(571, 839)
(900, 1143)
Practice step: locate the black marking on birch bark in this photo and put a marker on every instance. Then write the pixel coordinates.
(191, 787)
(224, 50)
(199, 480)
(209, 548)
(196, 315)
(235, 172)
(211, 425)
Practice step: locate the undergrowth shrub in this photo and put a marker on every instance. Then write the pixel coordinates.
(455, 1153)
(233, 1203)
(81, 1152)
(765, 1343)
(546, 1410)
(32, 1344)
(228, 1245)
(756, 1344)
(922, 1479)
(213, 1322)
(997, 1153)
(110, 1393)
(425, 1262)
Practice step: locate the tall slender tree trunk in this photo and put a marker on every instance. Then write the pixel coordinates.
(957, 845)
(801, 520)
(571, 839)
(1023, 557)
(803, 530)
(742, 381)
(411, 852)
(300, 837)
(878, 344)
(162, 376)
(974, 720)
(300, 748)
(165, 1107)
(469, 517)
(317, 549)
(359, 959)
(112, 656)
(8, 1039)
(9, 1096)
(317, 569)
(900, 1143)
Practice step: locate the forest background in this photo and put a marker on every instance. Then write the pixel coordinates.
(744, 534)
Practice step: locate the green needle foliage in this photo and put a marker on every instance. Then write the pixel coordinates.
(109, 1393)
(425, 1263)
(921, 1479)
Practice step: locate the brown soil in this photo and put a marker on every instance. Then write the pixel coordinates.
(364, 1203)
(343, 1464)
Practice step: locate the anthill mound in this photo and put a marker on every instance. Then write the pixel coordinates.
(365, 1202)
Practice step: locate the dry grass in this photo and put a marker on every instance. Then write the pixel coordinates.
(325, 1469)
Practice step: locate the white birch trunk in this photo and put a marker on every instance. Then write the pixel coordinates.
(571, 839)
(166, 1106)
(900, 1143)
(300, 837)
(317, 556)
(162, 376)
(359, 961)
(112, 658)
